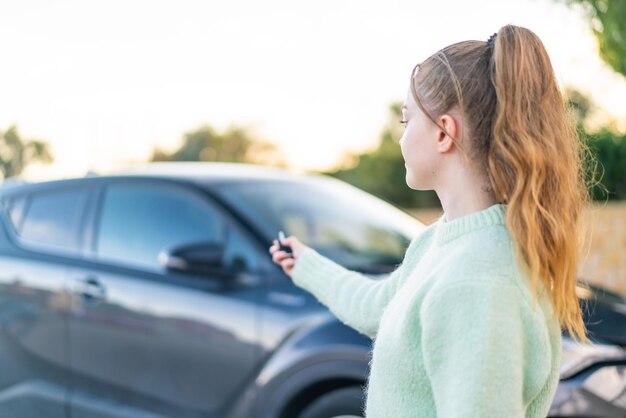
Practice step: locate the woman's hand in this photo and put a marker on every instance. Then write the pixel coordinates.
(287, 261)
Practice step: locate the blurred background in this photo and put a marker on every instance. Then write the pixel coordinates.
(91, 86)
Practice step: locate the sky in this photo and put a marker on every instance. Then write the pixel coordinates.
(105, 82)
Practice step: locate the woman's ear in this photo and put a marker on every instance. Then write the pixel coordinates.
(444, 142)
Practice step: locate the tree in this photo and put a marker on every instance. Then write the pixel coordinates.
(580, 105)
(382, 172)
(17, 153)
(606, 159)
(608, 22)
(233, 145)
(609, 150)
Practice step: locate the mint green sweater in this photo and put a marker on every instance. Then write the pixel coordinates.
(456, 333)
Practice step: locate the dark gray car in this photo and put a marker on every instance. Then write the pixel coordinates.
(152, 294)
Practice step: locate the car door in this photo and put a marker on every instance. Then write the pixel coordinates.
(148, 341)
(40, 240)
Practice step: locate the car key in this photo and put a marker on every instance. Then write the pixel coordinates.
(282, 247)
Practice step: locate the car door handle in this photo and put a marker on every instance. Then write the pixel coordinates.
(90, 289)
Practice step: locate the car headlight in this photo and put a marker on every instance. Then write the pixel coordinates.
(577, 356)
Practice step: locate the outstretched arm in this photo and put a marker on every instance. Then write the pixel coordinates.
(355, 299)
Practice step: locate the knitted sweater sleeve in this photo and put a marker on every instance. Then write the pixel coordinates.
(355, 299)
(475, 336)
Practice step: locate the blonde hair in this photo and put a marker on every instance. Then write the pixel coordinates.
(526, 144)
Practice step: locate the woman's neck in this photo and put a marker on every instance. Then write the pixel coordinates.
(462, 204)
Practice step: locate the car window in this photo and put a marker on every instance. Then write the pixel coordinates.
(51, 218)
(138, 221)
(341, 222)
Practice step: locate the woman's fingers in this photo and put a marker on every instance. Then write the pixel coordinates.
(275, 258)
(282, 258)
(294, 243)
(279, 256)
(288, 264)
(274, 248)
(290, 241)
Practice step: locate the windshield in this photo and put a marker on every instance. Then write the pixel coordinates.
(341, 222)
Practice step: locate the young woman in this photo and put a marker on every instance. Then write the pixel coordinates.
(469, 325)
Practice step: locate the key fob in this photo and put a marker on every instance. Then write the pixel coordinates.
(281, 246)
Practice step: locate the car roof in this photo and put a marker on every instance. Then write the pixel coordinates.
(209, 171)
(202, 173)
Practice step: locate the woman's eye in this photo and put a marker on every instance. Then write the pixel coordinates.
(403, 121)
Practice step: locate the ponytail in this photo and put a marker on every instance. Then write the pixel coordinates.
(535, 166)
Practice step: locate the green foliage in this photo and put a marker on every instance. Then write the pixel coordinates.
(233, 145)
(605, 164)
(382, 172)
(579, 105)
(609, 150)
(608, 22)
(16, 153)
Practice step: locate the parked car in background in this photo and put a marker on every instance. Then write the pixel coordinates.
(151, 293)
(593, 377)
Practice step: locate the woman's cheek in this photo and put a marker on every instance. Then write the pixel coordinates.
(405, 148)
(404, 140)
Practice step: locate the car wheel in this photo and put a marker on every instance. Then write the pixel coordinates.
(346, 401)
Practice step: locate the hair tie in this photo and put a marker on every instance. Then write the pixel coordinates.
(492, 39)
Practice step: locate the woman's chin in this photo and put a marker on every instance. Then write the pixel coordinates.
(413, 184)
(410, 182)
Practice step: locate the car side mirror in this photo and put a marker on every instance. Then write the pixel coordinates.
(197, 258)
